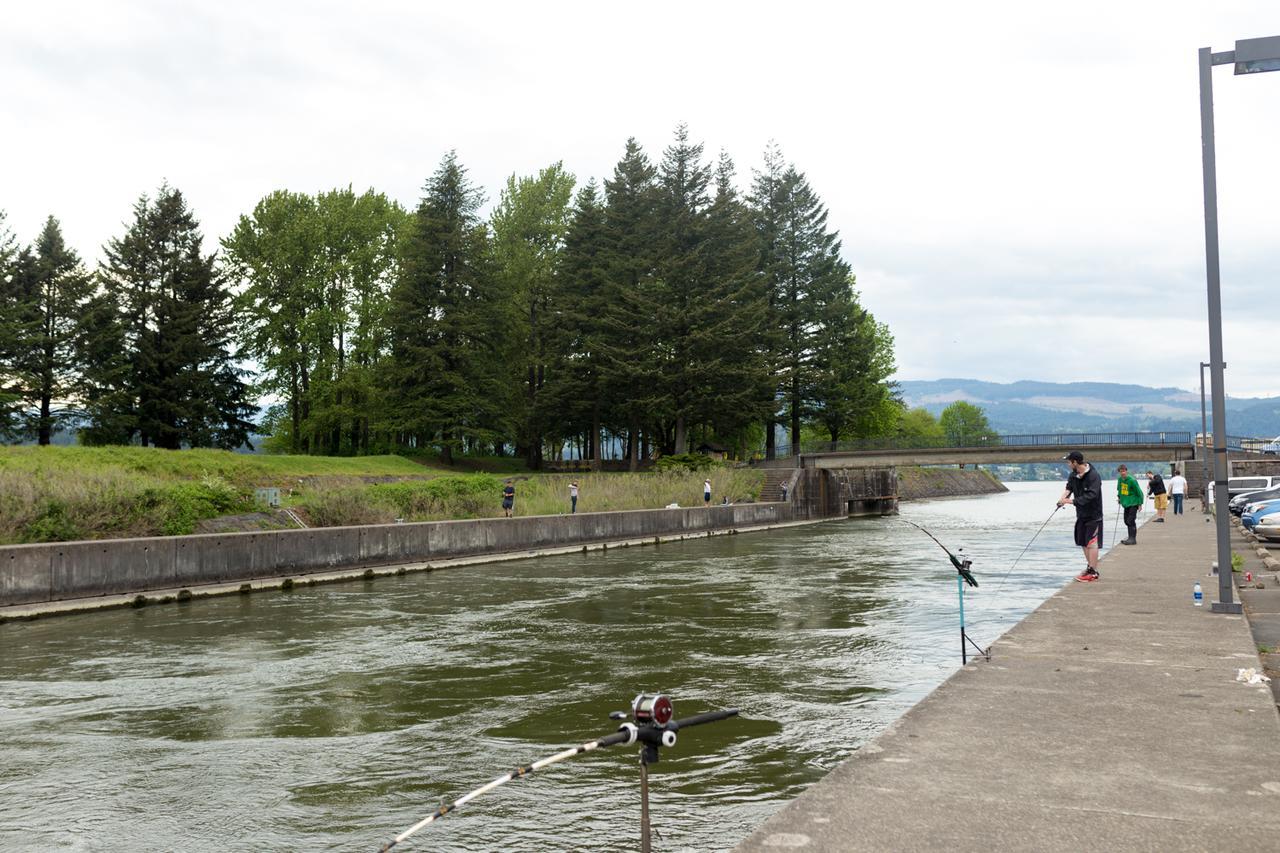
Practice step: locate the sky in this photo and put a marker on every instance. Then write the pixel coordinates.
(1017, 186)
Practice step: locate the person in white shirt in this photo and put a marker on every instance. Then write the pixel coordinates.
(1177, 490)
(573, 497)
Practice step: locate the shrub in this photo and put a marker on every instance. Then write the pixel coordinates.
(693, 462)
(462, 496)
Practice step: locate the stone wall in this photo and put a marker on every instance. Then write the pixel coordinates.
(53, 572)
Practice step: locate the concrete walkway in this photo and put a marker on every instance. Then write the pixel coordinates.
(1109, 719)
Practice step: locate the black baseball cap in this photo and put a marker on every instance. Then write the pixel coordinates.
(1075, 456)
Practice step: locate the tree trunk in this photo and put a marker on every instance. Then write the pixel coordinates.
(295, 442)
(681, 442)
(795, 413)
(770, 440)
(46, 423)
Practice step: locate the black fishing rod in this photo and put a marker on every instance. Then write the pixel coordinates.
(963, 576)
(652, 727)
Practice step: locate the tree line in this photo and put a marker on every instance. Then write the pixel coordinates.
(650, 312)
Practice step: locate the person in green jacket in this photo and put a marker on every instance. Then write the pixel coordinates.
(1129, 494)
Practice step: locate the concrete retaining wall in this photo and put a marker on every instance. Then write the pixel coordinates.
(31, 574)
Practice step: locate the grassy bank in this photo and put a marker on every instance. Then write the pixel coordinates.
(50, 494)
(480, 495)
(54, 494)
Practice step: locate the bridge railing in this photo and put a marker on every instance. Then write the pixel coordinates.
(1066, 441)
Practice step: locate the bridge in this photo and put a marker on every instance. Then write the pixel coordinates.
(1161, 447)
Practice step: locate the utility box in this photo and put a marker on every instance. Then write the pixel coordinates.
(270, 497)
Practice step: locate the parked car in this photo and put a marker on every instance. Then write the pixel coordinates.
(1257, 511)
(1237, 485)
(1273, 446)
(1240, 501)
(1268, 527)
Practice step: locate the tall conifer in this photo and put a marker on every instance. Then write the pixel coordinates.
(183, 386)
(626, 325)
(446, 372)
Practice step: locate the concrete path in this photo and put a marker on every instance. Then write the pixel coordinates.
(1109, 719)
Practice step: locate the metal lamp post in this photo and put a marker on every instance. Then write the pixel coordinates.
(1251, 56)
(1202, 442)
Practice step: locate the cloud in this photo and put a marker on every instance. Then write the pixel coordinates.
(1016, 185)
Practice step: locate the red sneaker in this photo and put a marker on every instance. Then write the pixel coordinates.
(1087, 575)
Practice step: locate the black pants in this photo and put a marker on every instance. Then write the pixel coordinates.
(1131, 521)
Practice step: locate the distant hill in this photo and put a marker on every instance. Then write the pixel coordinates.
(1037, 407)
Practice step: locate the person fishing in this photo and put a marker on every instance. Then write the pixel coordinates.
(1084, 492)
(1129, 496)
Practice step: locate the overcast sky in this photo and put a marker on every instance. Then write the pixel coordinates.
(1017, 185)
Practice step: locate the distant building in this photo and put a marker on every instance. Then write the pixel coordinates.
(715, 451)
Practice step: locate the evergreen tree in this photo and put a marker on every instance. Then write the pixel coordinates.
(47, 290)
(684, 309)
(804, 270)
(183, 386)
(766, 206)
(577, 392)
(732, 337)
(627, 331)
(446, 372)
(529, 226)
(12, 306)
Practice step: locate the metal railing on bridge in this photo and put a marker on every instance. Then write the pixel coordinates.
(1066, 440)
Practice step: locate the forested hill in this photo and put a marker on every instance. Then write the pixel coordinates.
(1030, 407)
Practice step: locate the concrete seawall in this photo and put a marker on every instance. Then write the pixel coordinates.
(34, 574)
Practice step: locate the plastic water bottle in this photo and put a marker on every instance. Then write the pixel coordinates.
(1197, 595)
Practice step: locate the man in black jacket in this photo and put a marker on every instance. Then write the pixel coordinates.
(1084, 491)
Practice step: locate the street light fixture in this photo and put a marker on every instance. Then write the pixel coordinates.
(1251, 56)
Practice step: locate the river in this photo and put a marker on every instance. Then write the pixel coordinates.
(333, 717)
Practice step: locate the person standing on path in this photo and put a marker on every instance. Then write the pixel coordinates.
(573, 497)
(1129, 495)
(706, 492)
(1178, 489)
(508, 498)
(1159, 495)
(1084, 491)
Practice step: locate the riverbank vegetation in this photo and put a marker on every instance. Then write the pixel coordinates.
(478, 495)
(671, 304)
(51, 494)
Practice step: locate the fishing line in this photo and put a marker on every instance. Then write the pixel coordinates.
(1024, 550)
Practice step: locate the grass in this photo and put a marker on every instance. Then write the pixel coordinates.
(480, 495)
(54, 494)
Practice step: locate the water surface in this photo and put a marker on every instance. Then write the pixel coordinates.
(333, 717)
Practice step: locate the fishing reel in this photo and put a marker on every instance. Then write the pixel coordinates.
(651, 715)
(963, 564)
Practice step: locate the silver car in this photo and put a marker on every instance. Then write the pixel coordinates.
(1268, 527)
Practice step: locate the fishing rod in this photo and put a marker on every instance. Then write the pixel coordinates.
(652, 728)
(963, 576)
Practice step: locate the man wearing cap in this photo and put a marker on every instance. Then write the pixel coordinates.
(1084, 492)
(1129, 496)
